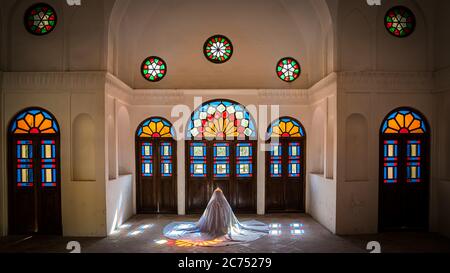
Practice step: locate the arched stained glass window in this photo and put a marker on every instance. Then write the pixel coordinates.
(286, 127)
(404, 121)
(288, 69)
(156, 128)
(285, 161)
(154, 69)
(400, 21)
(34, 121)
(40, 19)
(221, 119)
(218, 49)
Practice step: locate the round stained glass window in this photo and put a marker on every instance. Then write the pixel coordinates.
(400, 21)
(288, 69)
(154, 69)
(218, 49)
(40, 19)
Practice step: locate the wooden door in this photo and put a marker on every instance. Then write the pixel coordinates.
(285, 176)
(230, 165)
(34, 185)
(156, 176)
(404, 182)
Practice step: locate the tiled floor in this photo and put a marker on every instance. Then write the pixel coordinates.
(143, 234)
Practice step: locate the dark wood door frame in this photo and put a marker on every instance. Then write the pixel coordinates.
(235, 186)
(284, 181)
(160, 184)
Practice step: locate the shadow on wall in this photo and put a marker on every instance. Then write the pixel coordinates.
(83, 148)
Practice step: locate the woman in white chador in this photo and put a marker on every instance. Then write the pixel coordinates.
(217, 223)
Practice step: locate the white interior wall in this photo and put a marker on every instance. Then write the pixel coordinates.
(83, 202)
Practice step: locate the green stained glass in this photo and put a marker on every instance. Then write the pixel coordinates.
(218, 49)
(288, 69)
(400, 21)
(40, 19)
(154, 69)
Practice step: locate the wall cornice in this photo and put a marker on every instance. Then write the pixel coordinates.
(53, 81)
(386, 81)
(442, 78)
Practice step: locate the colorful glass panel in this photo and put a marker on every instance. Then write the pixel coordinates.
(221, 120)
(221, 152)
(40, 19)
(34, 121)
(48, 163)
(166, 160)
(400, 21)
(147, 159)
(286, 127)
(294, 167)
(25, 164)
(244, 160)
(390, 171)
(218, 49)
(414, 161)
(288, 69)
(156, 128)
(197, 156)
(276, 153)
(154, 69)
(404, 122)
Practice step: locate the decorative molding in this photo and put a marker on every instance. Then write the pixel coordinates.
(442, 80)
(54, 81)
(386, 81)
(324, 88)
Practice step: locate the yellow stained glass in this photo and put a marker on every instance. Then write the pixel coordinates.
(25, 178)
(286, 127)
(34, 122)
(155, 128)
(48, 176)
(404, 122)
(25, 151)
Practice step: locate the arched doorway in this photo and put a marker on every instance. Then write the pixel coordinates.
(34, 173)
(221, 152)
(156, 169)
(404, 171)
(285, 166)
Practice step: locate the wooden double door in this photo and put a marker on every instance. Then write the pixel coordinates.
(230, 165)
(285, 176)
(34, 185)
(156, 189)
(404, 182)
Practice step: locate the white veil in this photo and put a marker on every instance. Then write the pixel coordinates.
(217, 223)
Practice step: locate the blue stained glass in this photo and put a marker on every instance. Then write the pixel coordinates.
(244, 160)
(197, 156)
(147, 159)
(390, 171)
(221, 165)
(276, 153)
(294, 167)
(24, 149)
(48, 163)
(166, 159)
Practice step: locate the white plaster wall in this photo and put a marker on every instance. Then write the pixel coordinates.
(357, 199)
(119, 202)
(83, 203)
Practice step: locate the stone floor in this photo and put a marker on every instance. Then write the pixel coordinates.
(143, 234)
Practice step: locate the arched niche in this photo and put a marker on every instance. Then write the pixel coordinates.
(317, 141)
(356, 148)
(83, 148)
(125, 142)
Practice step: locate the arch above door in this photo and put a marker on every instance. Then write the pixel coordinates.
(156, 167)
(285, 161)
(221, 152)
(404, 170)
(34, 173)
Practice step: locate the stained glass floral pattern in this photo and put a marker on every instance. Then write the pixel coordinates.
(404, 122)
(154, 69)
(218, 49)
(221, 119)
(288, 69)
(34, 121)
(400, 21)
(286, 127)
(40, 19)
(156, 128)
